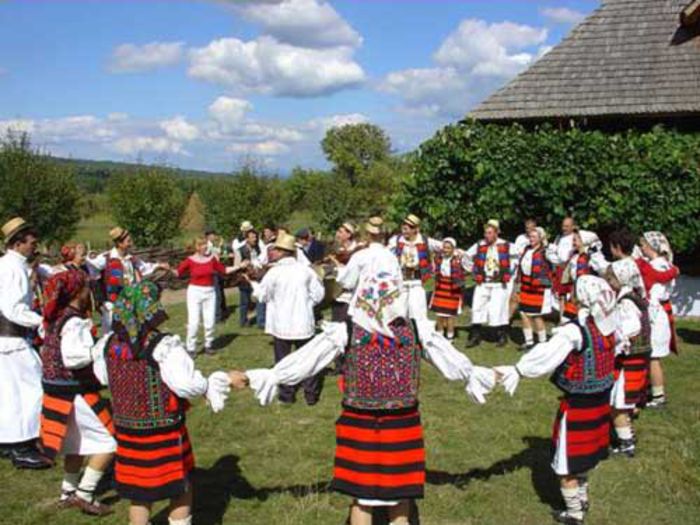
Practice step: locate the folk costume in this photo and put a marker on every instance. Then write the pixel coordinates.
(201, 297)
(75, 418)
(446, 301)
(633, 353)
(534, 277)
(20, 365)
(253, 255)
(580, 358)
(559, 255)
(380, 454)
(340, 305)
(117, 271)
(290, 290)
(579, 264)
(414, 258)
(151, 378)
(492, 270)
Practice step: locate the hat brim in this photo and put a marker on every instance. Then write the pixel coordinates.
(19, 229)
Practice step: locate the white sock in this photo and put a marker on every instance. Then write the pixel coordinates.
(657, 391)
(69, 483)
(529, 336)
(583, 489)
(183, 521)
(624, 432)
(450, 335)
(88, 483)
(542, 336)
(573, 502)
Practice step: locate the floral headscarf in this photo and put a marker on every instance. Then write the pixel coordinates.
(136, 312)
(60, 290)
(627, 273)
(597, 300)
(660, 244)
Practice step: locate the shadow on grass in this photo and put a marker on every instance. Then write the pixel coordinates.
(536, 457)
(692, 337)
(223, 341)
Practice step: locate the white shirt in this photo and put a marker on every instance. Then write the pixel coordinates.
(409, 255)
(561, 249)
(522, 242)
(362, 267)
(176, 366)
(16, 298)
(628, 320)
(661, 292)
(346, 296)
(291, 290)
(546, 357)
(130, 264)
(492, 266)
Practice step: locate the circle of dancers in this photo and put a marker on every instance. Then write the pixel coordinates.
(55, 365)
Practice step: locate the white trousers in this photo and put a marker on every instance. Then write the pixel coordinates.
(417, 303)
(86, 435)
(20, 391)
(201, 304)
(490, 304)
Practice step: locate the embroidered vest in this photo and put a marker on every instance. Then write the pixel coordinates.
(479, 269)
(113, 278)
(590, 370)
(540, 272)
(382, 373)
(640, 344)
(141, 401)
(56, 378)
(456, 270)
(423, 258)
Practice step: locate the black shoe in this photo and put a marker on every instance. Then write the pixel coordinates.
(562, 516)
(657, 403)
(585, 506)
(624, 447)
(502, 339)
(209, 351)
(526, 347)
(473, 342)
(28, 457)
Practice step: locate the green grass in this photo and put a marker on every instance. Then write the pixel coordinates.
(486, 465)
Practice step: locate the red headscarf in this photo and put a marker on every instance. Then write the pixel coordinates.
(60, 290)
(68, 252)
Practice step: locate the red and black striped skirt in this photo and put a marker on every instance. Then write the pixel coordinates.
(379, 455)
(668, 308)
(587, 430)
(447, 297)
(153, 467)
(636, 369)
(55, 411)
(531, 298)
(570, 310)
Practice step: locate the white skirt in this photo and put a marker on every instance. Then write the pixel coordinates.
(86, 435)
(20, 391)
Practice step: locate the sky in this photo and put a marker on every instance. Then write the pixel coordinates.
(212, 84)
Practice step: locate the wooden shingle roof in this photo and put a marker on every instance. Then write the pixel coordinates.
(629, 57)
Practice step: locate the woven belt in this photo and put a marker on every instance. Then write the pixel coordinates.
(10, 329)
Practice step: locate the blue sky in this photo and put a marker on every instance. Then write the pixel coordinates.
(210, 84)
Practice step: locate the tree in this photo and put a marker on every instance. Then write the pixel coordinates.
(37, 189)
(353, 148)
(149, 203)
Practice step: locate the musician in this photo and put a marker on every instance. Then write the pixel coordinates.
(251, 252)
(345, 246)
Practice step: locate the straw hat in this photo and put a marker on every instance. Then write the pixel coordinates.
(286, 242)
(412, 221)
(493, 223)
(13, 227)
(118, 234)
(349, 227)
(246, 226)
(374, 226)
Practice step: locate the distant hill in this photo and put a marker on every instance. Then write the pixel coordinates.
(93, 175)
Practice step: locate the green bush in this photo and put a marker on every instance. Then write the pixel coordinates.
(470, 172)
(36, 188)
(149, 203)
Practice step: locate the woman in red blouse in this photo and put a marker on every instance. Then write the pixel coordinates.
(201, 293)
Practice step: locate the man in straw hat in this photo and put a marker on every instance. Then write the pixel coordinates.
(380, 454)
(580, 358)
(490, 261)
(119, 268)
(345, 246)
(20, 366)
(414, 252)
(290, 289)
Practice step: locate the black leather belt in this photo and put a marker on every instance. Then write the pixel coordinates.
(410, 274)
(10, 329)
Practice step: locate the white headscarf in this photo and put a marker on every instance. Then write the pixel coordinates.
(660, 244)
(627, 274)
(590, 240)
(451, 241)
(597, 299)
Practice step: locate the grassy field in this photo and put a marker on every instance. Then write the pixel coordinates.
(486, 465)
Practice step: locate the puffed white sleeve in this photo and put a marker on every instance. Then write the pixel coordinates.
(316, 289)
(546, 357)
(349, 275)
(434, 245)
(598, 262)
(306, 362)
(12, 301)
(77, 343)
(262, 291)
(552, 253)
(629, 325)
(98, 262)
(144, 267)
(440, 353)
(99, 365)
(468, 259)
(177, 368)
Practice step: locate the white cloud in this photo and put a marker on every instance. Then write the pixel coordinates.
(472, 61)
(323, 124)
(138, 145)
(263, 149)
(267, 66)
(179, 129)
(17, 126)
(229, 112)
(562, 15)
(131, 58)
(304, 23)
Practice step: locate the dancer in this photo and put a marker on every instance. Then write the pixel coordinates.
(201, 293)
(76, 420)
(446, 301)
(151, 377)
(489, 260)
(534, 276)
(585, 244)
(380, 455)
(580, 357)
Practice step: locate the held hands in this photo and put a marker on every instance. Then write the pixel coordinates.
(508, 377)
(239, 380)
